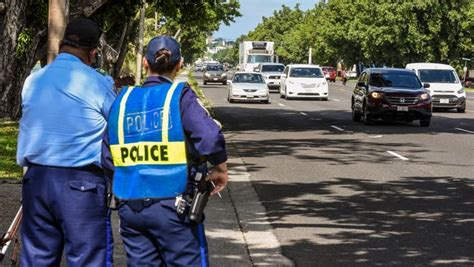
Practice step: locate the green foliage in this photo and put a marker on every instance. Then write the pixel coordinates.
(225, 55)
(23, 43)
(391, 33)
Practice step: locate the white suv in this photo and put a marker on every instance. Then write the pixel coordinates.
(303, 81)
(446, 89)
(272, 74)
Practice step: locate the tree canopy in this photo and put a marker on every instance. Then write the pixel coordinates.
(390, 33)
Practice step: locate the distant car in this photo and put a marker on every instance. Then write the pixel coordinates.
(272, 74)
(198, 67)
(446, 89)
(303, 81)
(248, 86)
(329, 73)
(215, 73)
(391, 94)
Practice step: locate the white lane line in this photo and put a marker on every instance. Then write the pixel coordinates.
(281, 105)
(397, 155)
(464, 130)
(304, 114)
(337, 100)
(315, 119)
(337, 128)
(376, 136)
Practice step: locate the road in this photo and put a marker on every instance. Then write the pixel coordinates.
(339, 193)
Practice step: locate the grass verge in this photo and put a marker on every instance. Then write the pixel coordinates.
(195, 86)
(469, 89)
(8, 139)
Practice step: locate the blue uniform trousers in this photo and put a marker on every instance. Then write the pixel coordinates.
(156, 235)
(65, 209)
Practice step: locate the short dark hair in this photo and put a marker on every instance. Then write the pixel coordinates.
(162, 62)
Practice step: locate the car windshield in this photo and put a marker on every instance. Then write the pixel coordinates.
(395, 79)
(438, 76)
(215, 68)
(306, 73)
(259, 59)
(248, 78)
(273, 68)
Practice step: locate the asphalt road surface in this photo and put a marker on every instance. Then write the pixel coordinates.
(339, 193)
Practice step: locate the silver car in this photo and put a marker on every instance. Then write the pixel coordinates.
(248, 86)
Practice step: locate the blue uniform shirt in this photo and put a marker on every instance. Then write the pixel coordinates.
(201, 131)
(65, 106)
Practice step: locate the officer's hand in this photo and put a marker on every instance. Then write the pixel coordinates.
(219, 176)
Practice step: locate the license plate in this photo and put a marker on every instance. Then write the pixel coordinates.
(271, 83)
(215, 79)
(249, 96)
(402, 108)
(444, 101)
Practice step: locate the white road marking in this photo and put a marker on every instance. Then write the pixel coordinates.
(464, 130)
(397, 155)
(337, 100)
(315, 119)
(337, 128)
(376, 136)
(304, 114)
(281, 105)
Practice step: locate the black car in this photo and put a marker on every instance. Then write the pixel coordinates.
(391, 94)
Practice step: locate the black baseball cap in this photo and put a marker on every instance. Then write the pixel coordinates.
(82, 33)
(163, 42)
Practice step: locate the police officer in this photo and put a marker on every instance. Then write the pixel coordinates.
(159, 137)
(65, 106)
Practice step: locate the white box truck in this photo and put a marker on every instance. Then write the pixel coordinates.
(252, 53)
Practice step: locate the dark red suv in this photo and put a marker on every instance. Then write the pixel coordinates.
(329, 73)
(391, 94)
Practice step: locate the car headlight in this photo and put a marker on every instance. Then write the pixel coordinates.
(223, 75)
(207, 74)
(461, 91)
(424, 96)
(376, 95)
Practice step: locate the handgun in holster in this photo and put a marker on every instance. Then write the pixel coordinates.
(200, 198)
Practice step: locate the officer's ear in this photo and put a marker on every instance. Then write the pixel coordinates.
(146, 65)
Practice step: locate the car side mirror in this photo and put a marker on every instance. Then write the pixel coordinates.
(361, 84)
(426, 85)
(229, 81)
(283, 76)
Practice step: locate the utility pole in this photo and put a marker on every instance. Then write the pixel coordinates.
(140, 45)
(310, 56)
(56, 25)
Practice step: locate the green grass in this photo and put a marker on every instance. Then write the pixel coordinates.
(195, 86)
(469, 89)
(8, 137)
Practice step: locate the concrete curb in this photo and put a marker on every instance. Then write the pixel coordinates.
(263, 247)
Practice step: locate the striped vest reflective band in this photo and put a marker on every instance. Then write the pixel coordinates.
(147, 142)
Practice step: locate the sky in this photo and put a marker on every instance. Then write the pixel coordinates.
(252, 12)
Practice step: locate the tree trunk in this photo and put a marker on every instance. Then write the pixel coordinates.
(13, 24)
(123, 49)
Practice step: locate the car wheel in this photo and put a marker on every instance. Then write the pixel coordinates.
(324, 99)
(266, 101)
(355, 115)
(224, 83)
(205, 83)
(462, 109)
(365, 116)
(425, 122)
(286, 96)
